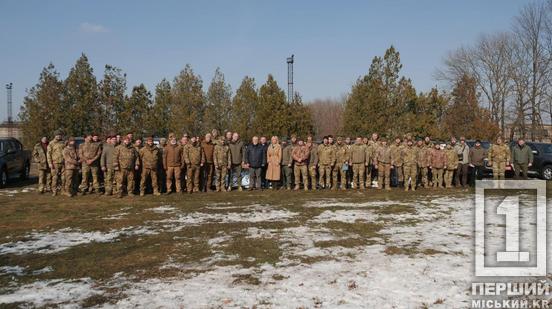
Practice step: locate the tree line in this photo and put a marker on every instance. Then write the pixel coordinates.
(80, 104)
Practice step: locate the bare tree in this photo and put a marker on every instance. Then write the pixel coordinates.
(327, 116)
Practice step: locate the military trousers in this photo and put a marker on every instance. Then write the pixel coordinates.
(384, 173)
(340, 176)
(221, 173)
(44, 180)
(109, 177)
(437, 177)
(312, 176)
(125, 176)
(87, 171)
(399, 174)
(173, 172)
(499, 170)
(235, 171)
(521, 168)
(410, 176)
(424, 176)
(287, 173)
(70, 181)
(449, 174)
(152, 174)
(57, 177)
(207, 175)
(325, 172)
(462, 174)
(192, 177)
(358, 175)
(300, 171)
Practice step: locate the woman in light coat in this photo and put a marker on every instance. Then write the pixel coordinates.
(273, 158)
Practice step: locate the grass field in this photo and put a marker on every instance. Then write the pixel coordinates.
(263, 249)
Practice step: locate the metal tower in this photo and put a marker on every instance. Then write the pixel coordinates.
(290, 78)
(9, 88)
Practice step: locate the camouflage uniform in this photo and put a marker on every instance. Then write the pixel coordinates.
(384, 160)
(71, 162)
(371, 148)
(451, 165)
(287, 167)
(300, 155)
(342, 156)
(106, 163)
(326, 161)
(423, 164)
(172, 162)
(409, 156)
(125, 161)
(222, 162)
(90, 151)
(149, 156)
(41, 160)
(54, 155)
(396, 150)
(438, 162)
(194, 159)
(498, 156)
(313, 163)
(358, 161)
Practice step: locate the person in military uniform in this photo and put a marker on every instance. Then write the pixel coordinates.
(396, 150)
(41, 160)
(437, 166)
(125, 162)
(313, 164)
(341, 165)
(423, 163)
(349, 171)
(384, 165)
(106, 163)
(300, 155)
(161, 175)
(149, 158)
(371, 147)
(451, 165)
(409, 157)
(71, 167)
(173, 164)
(194, 157)
(358, 160)
(237, 153)
(287, 165)
(326, 162)
(54, 155)
(222, 161)
(208, 147)
(89, 154)
(498, 157)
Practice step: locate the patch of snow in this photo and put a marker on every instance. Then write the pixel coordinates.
(12, 270)
(348, 216)
(163, 209)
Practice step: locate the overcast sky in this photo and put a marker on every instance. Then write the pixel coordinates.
(333, 41)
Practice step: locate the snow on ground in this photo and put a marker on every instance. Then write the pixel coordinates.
(432, 264)
(56, 241)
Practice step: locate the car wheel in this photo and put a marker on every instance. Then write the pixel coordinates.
(3, 178)
(26, 171)
(546, 172)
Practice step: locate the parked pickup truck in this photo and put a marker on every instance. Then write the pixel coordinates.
(14, 160)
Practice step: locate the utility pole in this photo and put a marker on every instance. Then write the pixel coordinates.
(290, 78)
(9, 88)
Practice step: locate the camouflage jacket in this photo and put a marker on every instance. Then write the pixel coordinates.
(451, 159)
(194, 155)
(342, 154)
(286, 155)
(326, 154)
(221, 156)
(396, 154)
(125, 157)
(70, 158)
(39, 157)
(54, 152)
(438, 158)
(358, 154)
(300, 154)
(409, 155)
(106, 159)
(383, 155)
(424, 156)
(150, 157)
(90, 151)
(499, 153)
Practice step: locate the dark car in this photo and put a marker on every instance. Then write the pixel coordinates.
(542, 160)
(14, 160)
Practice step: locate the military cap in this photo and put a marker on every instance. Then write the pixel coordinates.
(71, 139)
(58, 132)
(339, 138)
(383, 139)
